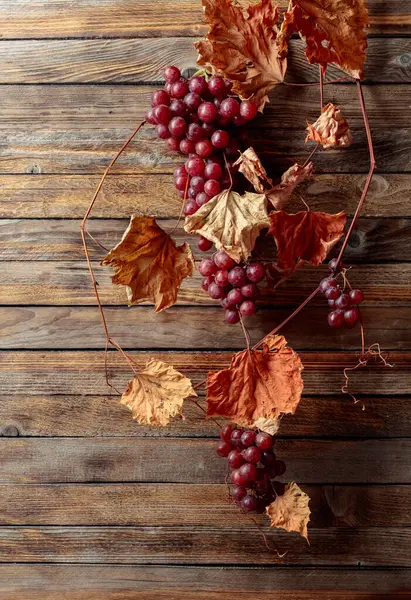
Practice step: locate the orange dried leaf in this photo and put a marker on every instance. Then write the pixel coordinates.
(306, 235)
(231, 221)
(279, 194)
(251, 167)
(260, 384)
(330, 129)
(149, 263)
(291, 511)
(242, 46)
(157, 393)
(333, 31)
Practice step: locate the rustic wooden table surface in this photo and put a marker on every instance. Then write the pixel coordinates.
(93, 506)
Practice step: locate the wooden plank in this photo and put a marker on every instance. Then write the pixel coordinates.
(205, 545)
(73, 373)
(23, 415)
(90, 151)
(67, 196)
(64, 283)
(373, 239)
(144, 60)
(93, 582)
(177, 505)
(58, 328)
(73, 460)
(53, 19)
(79, 107)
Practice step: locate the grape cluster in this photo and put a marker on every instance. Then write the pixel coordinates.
(344, 305)
(254, 465)
(202, 120)
(233, 284)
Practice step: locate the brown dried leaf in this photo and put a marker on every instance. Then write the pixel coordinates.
(270, 426)
(157, 393)
(279, 194)
(251, 167)
(291, 511)
(306, 235)
(333, 31)
(259, 384)
(149, 263)
(231, 221)
(330, 129)
(243, 47)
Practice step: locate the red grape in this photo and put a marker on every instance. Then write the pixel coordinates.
(248, 110)
(237, 478)
(177, 126)
(238, 492)
(343, 302)
(252, 455)
(207, 267)
(255, 272)
(215, 291)
(264, 441)
(221, 278)
(234, 297)
(213, 171)
(192, 100)
(198, 85)
(236, 438)
(220, 139)
(247, 308)
(248, 438)
(195, 132)
(178, 108)
(186, 146)
(206, 282)
(223, 448)
(173, 144)
(249, 472)
(172, 74)
(190, 207)
(150, 117)
(229, 108)
(250, 290)
(207, 112)
(351, 316)
(203, 243)
(237, 276)
(216, 85)
(203, 198)
(208, 129)
(204, 148)
(195, 166)
(334, 266)
(197, 184)
(212, 187)
(332, 293)
(181, 182)
(336, 318)
(268, 458)
(249, 503)
(222, 260)
(232, 316)
(160, 97)
(163, 131)
(162, 114)
(235, 459)
(356, 296)
(226, 432)
(179, 89)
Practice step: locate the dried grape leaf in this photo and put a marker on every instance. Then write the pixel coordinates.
(149, 263)
(231, 221)
(157, 393)
(291, 511)
(270, 426)
(259, 384)
(330, 129)
(242, 46)
(280, 194)
(306, 235)
(333, 31)
(251, 167)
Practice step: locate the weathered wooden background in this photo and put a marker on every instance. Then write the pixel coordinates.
(93, 506)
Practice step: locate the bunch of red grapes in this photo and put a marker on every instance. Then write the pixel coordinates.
(344, 305)
(233, 284)
(202, 120)
(250, 455)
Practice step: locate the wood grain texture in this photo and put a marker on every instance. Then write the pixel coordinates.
(372, 240)
(106, 582)
(359, 546)
(162, 505)
(90, 151)
(100, 460)
(138, 61)
(23, 415)
(123, 18)
(31, 373)
(79, 107)
(67, 283)
(67, 196)
(57, 328)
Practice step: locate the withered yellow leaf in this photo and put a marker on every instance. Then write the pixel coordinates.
(231, 221)
(149, 263)
(251, 167)
(156, 394)
(280, 193)
(330, 129)
(291, 511)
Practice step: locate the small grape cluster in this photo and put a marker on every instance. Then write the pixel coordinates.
(344, 305)
(254, 466)
(233, 284)
(202, 120)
